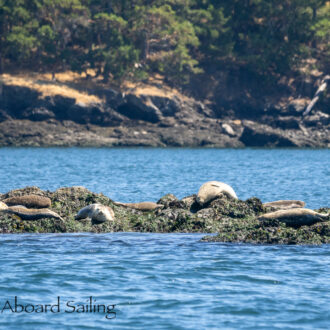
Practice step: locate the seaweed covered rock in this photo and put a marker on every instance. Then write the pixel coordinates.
(170, 201)
(33, 190)
(190, 203)
(9, 224)
(272, 235)
(235, 208)
(233, 220)
(271, 232)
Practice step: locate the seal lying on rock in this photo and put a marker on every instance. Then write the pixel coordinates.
(33, 201)
(97, 212)
(31, 214)
(143, 206)
(212, 189)
(295, 217)
(284, 204)
(3, 206)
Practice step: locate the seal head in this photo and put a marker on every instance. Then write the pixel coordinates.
(3, 206)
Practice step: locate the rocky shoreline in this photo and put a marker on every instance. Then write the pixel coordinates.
(150, 117)
(233, 220)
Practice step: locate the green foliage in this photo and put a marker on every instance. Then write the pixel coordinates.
(20, 43)
(321, 29)
(133, 38)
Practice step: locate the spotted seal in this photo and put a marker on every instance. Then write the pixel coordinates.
(295, 217)
(143, 206)
(31, 214)
(98, 213)
(30, 201)
(284, 204)
(212, 189)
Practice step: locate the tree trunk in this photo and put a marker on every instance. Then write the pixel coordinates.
(314, 13)
(2, 64)
(145, 46)
(314, 44)
(322, 88)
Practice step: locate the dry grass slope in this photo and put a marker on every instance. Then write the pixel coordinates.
(44, 85)
(70, 84)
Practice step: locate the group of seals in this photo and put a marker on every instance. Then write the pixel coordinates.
(290, 212)
(207, 192)
(19, 206)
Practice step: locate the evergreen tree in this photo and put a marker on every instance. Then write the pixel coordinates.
(60, 21)
(124, 39)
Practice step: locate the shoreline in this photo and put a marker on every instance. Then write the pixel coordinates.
(162, 148)
(43, 113)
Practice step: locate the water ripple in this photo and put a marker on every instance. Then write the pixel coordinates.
(165, 281)
(136, 174)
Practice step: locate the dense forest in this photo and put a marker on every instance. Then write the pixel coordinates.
(129, 39)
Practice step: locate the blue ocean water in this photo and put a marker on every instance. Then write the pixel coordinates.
(130, 175)
(164, 281)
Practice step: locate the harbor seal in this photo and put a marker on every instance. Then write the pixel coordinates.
(98, 213)
(284, 204)
(295, 217)
(30, 201)
(31, 214)
(3, 206)
(143, 206)
(212, 189)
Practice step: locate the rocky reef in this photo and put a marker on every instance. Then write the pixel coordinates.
(232, 220)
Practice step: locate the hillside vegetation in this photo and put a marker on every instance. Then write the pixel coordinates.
(133, 39)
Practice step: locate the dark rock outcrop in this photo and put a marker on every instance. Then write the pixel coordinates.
(16, 99)
(256, 135)
(130, 119)
(38, 113)
(140, 108)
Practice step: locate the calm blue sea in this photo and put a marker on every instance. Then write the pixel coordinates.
(164, 281)
(130, 175)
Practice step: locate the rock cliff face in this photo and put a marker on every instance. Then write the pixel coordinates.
(27, 118)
